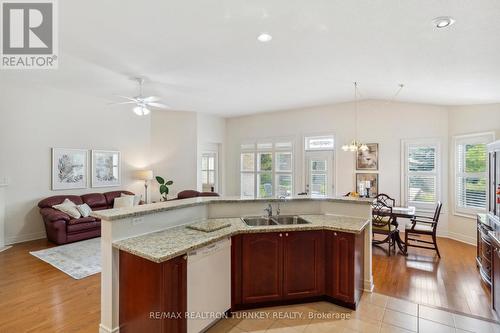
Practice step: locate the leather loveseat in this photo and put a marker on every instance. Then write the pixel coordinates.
(62, 229)
(193, 194)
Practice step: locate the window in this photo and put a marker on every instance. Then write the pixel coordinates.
(266, 169)
(319, 152)
(471, 186)
(421, 175)
(208, 172)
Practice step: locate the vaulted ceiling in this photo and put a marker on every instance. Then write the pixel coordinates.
(204, 55)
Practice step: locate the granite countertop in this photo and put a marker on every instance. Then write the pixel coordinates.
(122, 213)
(163, 245)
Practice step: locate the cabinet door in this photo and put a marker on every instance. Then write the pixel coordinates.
(304, 264)
(495, 288)
(175, 293)
(340, 266)
(262, 267)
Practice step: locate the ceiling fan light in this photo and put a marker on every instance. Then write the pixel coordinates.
(141, 111)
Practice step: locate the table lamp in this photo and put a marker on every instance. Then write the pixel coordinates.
(145, 175)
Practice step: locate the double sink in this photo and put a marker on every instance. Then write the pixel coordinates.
(258, 221)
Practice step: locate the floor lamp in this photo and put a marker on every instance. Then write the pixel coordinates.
(145, 175)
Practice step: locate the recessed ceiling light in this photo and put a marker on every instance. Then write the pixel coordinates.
(443, 22)
(264, 37)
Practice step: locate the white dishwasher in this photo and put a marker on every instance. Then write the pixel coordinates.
(208, 284)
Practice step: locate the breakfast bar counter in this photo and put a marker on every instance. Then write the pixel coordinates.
(335, 236)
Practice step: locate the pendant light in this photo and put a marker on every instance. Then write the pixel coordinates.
(355, 144)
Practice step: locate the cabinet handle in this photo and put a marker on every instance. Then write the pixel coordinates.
(286, 234)
(335, 234)
(281, 235)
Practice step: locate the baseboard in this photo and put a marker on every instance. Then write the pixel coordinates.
(104, 329)
(461, 238)
(368, 285)
(24, 238)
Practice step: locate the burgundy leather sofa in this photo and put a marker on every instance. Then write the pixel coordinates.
(193, 194)
(62, 229)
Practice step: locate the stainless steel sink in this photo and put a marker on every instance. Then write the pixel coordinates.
(257, 221)
(290, 219)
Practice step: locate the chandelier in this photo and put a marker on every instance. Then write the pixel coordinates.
(355, 145)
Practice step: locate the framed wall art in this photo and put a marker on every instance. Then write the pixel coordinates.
(106, 168)
(368, 160)
(370, 181)
(69, 168)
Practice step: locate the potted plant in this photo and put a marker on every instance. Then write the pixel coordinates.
(163, 187)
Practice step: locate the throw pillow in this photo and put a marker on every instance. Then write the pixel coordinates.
(84, 209)
(124, 202)
(137, 198)
(68, 207)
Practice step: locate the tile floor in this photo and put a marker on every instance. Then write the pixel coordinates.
(376, 314)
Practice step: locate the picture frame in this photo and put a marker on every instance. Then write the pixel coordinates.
(106, 168)
(374, 180)
(69, 168)
(368, 160)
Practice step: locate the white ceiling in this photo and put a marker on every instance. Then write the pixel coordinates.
(203, 55)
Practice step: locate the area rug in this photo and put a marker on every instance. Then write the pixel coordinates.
(78, 260)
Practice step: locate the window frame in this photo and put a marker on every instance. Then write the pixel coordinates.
(253, 147)
(473, 138)
(405, 173)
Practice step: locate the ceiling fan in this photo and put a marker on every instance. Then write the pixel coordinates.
(143, 103)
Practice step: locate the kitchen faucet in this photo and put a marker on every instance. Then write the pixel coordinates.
(269, 211)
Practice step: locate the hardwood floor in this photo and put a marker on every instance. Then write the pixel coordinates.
(36, 297)
(452, 282)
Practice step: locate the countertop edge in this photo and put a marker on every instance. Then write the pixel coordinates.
(114, 214)
(247, 230)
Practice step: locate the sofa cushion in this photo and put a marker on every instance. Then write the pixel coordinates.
(82, 220)
(68, 207)
(124, 202)
(83, 226)
(84, 209)
(188, 194)
(137, 198)
(59, 199)
(95, 200)
(110, 197)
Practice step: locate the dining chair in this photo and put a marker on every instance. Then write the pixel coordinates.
(423, 226)
(387, 200)
(382, 219)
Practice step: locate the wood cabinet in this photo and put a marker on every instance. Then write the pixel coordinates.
(283, 267)
(304, 264)
(344, 267)
(153, 296)
(262, 267)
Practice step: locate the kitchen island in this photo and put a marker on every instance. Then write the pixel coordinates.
(329, 257)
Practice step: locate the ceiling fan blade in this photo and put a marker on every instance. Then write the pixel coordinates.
(126, 97)
(130, 102)
(158, 105)
(151, 99)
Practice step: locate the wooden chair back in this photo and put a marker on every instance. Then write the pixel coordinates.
(381, 214)
(387, 200)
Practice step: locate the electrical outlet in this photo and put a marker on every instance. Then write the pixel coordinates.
(137, 220)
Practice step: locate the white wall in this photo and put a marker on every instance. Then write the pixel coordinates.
(211, 131)
(379, 122)
(32, 120)
(468, 120)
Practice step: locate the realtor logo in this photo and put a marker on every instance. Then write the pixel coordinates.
(29, 34)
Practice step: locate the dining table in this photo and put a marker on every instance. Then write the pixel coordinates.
(407, 212)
